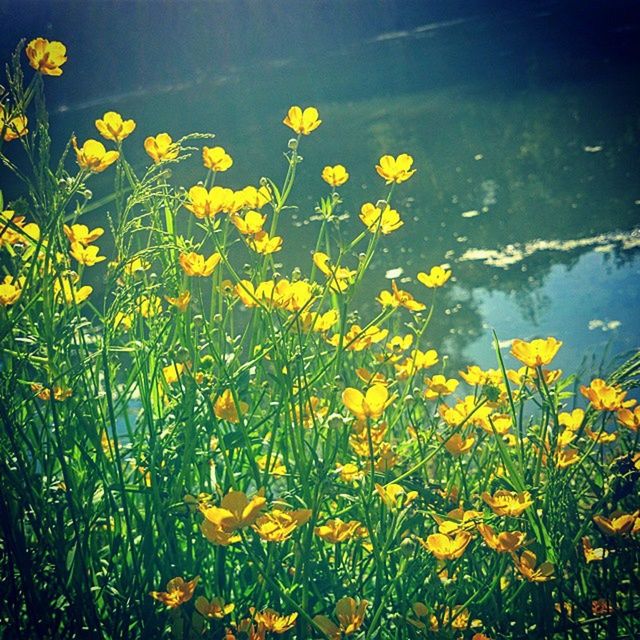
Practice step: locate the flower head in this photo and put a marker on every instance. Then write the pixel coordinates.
(10, 290)
(303, 122)
(395, 169)
(374, 218)
(87, 255)
(216, 158)
(206, 204)
(46, 57)
(180, 302)
(526, 565)
(606, 397)
(274, 621)
(93, 156)
(161, 148)
(178, 591)
(367, 405)
(265, 244)
(216, 609)
(80, 233)
(503, 542)
(195, 264)
(13, 127)
(436, 277)
(225, 407)
(335, 176)
(508, 503)
(112, 127)
(536, 353)
(336, 530)
(236, 511)
(446, 547)
(278, 525)
(350, 615)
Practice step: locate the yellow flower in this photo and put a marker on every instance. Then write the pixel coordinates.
(14, 127)
(87, 255)
(335, 176)
(508, 503)
(216, 158)
(437, 277)
(123, 321)
(438, 386)
(458, 520)
(195, 264)
(566, 457)
(536, 353)
(149, 306)
(113, 127)
(181, 302)
(262, 243)
(225, 407)
(255, 198)
(395, 496)
(178, 591)
(592, 554)
(350, 615)
(373, 218)
(457, 444)
(217, 534)
(303, 122)
(336, 530)
(136, 265)
(93, 156)
(526, 565)
(604, 397)
(236, 511)
(161, 148)
(214, 610)
(10, 290)
(628, 418)
(276, 466)
(278, 525)
(398, 298)
(617, 525)
(358, 339)
(571, 421)
(369, 405)
(275, 622)
(11, 226)
(339, 277)
(80, 233)
(172, 372)
(250, 224)
(504, 542)
(206, 204)
(320, 322)
(445, 547)
(395, 169)
(349, 472)
(66, 291)
(415, 361)
(46, 57)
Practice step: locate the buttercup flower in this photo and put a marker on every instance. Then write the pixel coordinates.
(571, 421)
(278, 525)
(438, 386)
(399, 298)
(236, 511)
(457, 444)
(93, 156)
(225, 407)
(339, 277)
(503, 542)
(178, 592)
(350, 614)
(112, 127)
(195, 264)
(395, 169)
(87, 255)
(336, 530)
(206, 204)
(66, 291)
(605, 397)
(618, 524)
(262, 243)
(303, 122)
(46, 57)
(369, 405)
(216, 609)
(436, 277)
(251, 224)
(526, 565)
(161, 147)
(508, 503)
(387, 220)
(629, 419)
(10, 290)
(216, 158)
(275, 622)
(12, 128)
(335, 176)
(80, 233)
(536, 353)
(445, 547)
(181, 302)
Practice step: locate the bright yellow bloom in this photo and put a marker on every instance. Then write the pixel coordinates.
(136, 265)
(11, 226)
(161, 148)
(395, 496)
(604, 397)
(113, 127)
(369, 405)
(149, 306)
(14, 127)
(178, 591)
(398, 298)
(80, 233)
(475, 376)
(46, 57)
(206, 204)
(93, 156)
(508, 503)
(437, 277)
(526, 565)
(225, 407)
(181, 302)
(373, 218)
(457, 444)
(445, 547)
(335, 176)
(171, 373)
(217, 534)
(251, 223)
(336, 530)
(262, 243)
(214, 610)
(571, 421)
(275, 622)
(618, 524)
(235, 512)
(592, 554)
(123, 321)
(216, 158)
(358, 339)
(416, 361)
(66, 291)
(10, 290)
(350, 614)
(44, 393)
(628, 418)
(339, 277)
(536, 353)
(255, 198)
(87, 255)
(504, 542)
(276, 466)
(438, 386)
(303, 122)
(458, 520)
(320, 322)
(195, 264)
(349, 472)
(278, 525)
(395, 169)
(566, 457)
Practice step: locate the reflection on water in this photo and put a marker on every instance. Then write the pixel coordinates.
(524, 128)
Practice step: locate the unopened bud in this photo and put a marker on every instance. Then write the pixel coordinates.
(293, 144)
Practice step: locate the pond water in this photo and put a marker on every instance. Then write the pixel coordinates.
(523, 121)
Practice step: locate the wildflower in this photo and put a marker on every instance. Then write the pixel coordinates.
(113, 127)
(86, 255)
(122, 320)
(395, 496)
(46, 57)
(10, 227)
(161, 148)
(262, 243)
(508, 503)
(80, 233)
(278, 525)
(475, 376)
(335, 176)
(136, 265)
(445, 547)
(275, 622)
(458, 520)
(195, 264)
(178, 592)
(251, 224)
(399, 298)
(350, 614)
(604, 397)
(369, 405)
(349, 472)
(592, 554)
(395, 169)
(10, 290)
(14, 127)
(571, 421)
(172, 372)
(217, 534)
(336, 530)
(339, 277)
(601, 437)
(225, 407)
(358, 339)
(416, 361)
(320, 322)
(276, 466)
(438, 386)
(457, 444)
(302, 122)
(503, 542)
(255, 198)
(387, 220)
(566, 457)
(371, 378)
(44, 393)
(437, 277)
(149, 306)
(526, 565)
(93, 156)
(536, 353)
(181, 302)
(65, 290)
(617, 525)
(216, 158)
(206, 204)
(214, 610)
(628, 418)
(236, 511)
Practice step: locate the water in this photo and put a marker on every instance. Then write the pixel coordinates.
(523, 122)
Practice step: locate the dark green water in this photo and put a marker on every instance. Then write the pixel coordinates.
(523, 122)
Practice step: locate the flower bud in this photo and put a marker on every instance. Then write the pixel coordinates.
(198, 320)
(382, 205)
(88, 194)
(292, 144)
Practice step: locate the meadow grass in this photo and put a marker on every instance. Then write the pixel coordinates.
(208, 448)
